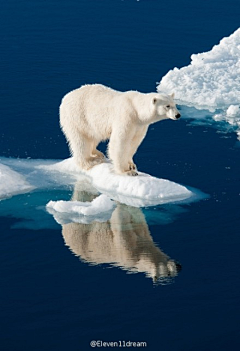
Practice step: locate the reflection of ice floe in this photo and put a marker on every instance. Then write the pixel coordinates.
(212, 80)
(123, 240)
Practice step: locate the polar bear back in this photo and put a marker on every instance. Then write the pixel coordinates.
(97, 109)
(93, 109)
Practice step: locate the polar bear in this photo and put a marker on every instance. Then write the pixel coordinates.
(94, 113)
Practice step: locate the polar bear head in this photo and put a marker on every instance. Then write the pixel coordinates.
(164, 107)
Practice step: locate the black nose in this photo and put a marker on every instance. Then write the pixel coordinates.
(178, 266)
(178, 115)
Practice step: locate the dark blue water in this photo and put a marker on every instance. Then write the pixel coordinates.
(51, 299)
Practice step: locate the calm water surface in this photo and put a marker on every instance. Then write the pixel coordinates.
(65, 285)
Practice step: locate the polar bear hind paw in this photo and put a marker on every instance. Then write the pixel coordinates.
(98, 154)
(91, 162)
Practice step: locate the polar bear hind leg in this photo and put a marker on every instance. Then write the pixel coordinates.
(97, 153)
(84, 151)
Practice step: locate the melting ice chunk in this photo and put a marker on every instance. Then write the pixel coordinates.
(100, 204)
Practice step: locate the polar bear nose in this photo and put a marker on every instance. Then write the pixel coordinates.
(178, 115)
(178, 266)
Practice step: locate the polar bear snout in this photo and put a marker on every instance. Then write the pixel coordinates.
(173, 115)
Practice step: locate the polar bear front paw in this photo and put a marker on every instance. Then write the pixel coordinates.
(132, 166)
(132, 173)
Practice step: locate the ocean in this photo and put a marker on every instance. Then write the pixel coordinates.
(68, 285)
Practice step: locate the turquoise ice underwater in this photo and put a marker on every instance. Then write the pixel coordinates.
(58, 289)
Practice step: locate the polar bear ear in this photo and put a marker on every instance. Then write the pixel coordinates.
(172, 95)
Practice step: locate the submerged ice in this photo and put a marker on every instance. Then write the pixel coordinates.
(74, 197)
(45, 176)
(95, 228)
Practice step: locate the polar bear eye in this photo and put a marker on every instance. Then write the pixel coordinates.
(168, 106)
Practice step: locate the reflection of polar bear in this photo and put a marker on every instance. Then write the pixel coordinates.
(94, 113)
(123, 241)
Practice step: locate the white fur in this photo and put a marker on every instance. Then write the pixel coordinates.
(94, 113)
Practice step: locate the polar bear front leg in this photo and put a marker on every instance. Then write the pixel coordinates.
(135, 142)
(119, 152)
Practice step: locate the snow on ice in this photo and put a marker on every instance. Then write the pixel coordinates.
(212, 80)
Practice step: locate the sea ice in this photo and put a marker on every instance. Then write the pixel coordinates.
(102, 203)
(233, 111)
(143, 190)
(12, 183)
(212, 80)
(19, 176)
(55, 180)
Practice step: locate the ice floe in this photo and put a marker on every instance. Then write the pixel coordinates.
(100, 204)
(22, 175)
(72, 196)
(12, 183)
(212, 80)
(233, 111)
(140, 191)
